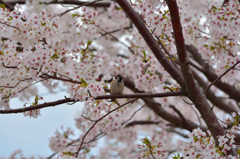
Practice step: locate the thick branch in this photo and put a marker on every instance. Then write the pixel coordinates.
(55, 103)
(70, 2)
(151, 42)
(161, 112)
(7, 5)
(39, 106)
(141, 122)
(193, 90)
(141, 95)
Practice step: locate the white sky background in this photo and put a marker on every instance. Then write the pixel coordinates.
(32, 135)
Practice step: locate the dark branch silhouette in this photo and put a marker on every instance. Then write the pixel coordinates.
(233, 92)
(224, 73)
(70, 2)
(191, 87)
(100, 120)
(141, 122)
(67, 100)
(151, 42)
(7, 5)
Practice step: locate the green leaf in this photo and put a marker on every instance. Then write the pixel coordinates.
(55, 56)
(74, 15)
(84, 83)
(177, 156)
(238, 151)
(2, 5)
(146, 141)
(144, 56)
(88, 43)
(36, 99)
(166, 87)
(165, 13)
(214, 7)
(237, 118)
(195, 138)
(212, 48)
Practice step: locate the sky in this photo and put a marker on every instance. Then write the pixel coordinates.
(32, 135)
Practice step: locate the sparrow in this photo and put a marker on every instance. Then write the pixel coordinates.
(117, 85)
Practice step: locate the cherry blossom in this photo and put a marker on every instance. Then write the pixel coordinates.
(179, 61)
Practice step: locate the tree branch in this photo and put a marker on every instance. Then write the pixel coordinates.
(116, 39)
(134, 114)
(50, 104)
(12, 67)
(233, 92)
(47, 76)
(161, 112)
(10, 26)
(141, 95)
(39, 106)
(100, 120)
(71, 2)
(141, 122)
(224, 73)
(7, 5)
(163, 47)
(193, 90)
(212, 98)
(74, 8)
(177, 132)
(179, 114)
(138, 22)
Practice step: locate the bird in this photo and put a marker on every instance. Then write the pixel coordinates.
(117, 86)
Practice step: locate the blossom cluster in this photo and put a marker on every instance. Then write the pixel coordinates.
(203, 145)
(151, 148)
(215, 33)
(42, 45)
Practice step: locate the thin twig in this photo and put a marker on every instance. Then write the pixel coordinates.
(134, 114)
(97, 137)
(196, 115)
(163, 47)
(14, 67)
(177, 132)
(10, 26)
(116, 30)
(88, 118)
(221, 76)
(84, 4)
(47, 76)
(26, 79)
(150, 146)
(228, 125)
(188, 102)
(179, 113)
(114, 38)
(100, 120)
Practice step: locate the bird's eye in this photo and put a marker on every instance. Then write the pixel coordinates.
(117, 78)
